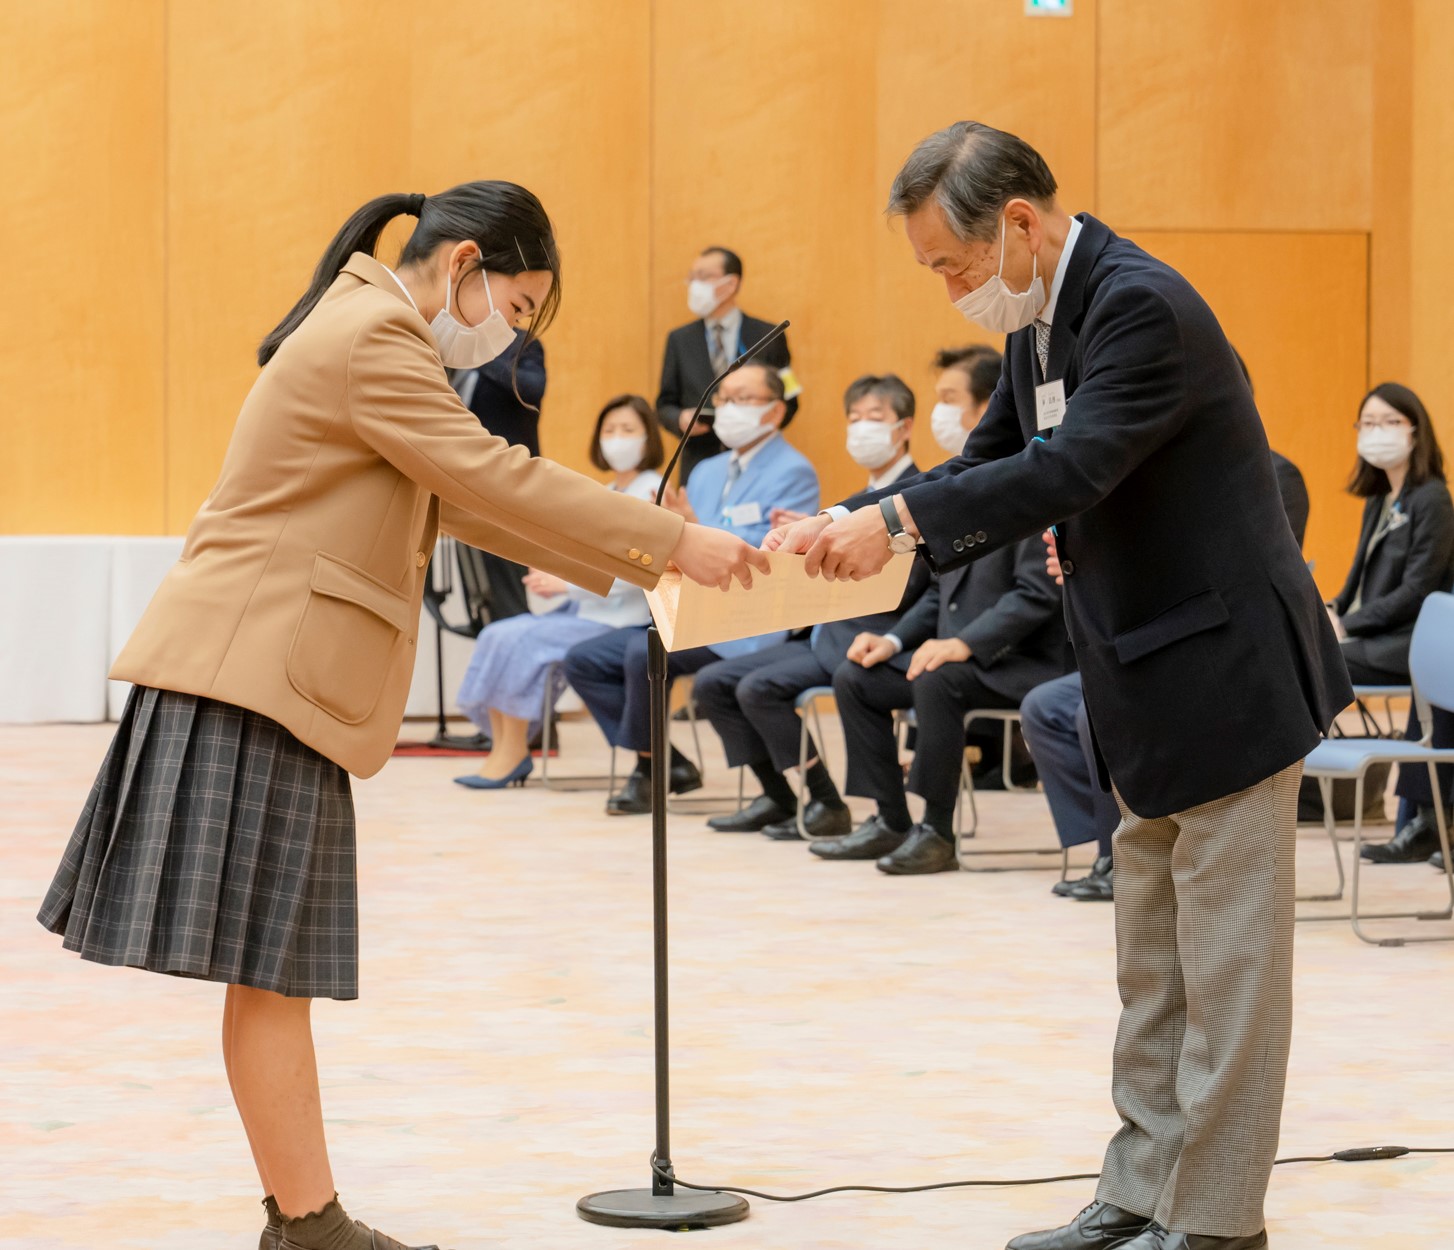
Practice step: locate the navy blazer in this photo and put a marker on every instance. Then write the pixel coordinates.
(1006, 609)
(686, 371)
(1414, 558)
(1206, 655)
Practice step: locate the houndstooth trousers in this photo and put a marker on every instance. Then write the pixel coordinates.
(1204, 935)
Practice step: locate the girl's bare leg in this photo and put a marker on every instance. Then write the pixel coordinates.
(511, 739)
(275, 1084)
(227, 1017)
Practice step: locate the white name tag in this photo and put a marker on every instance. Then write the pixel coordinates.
(1050, 404)
(743, 513)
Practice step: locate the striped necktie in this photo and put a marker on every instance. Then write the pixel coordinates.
(1042, 346)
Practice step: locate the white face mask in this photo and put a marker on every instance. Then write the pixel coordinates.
(947, 422)
(739, 424)
(623, 452)
(702, 295)
(469, 347)
(873, 443)
(997, 308)
(1386, 448)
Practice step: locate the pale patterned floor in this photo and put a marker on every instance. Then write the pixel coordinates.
(831, 1025)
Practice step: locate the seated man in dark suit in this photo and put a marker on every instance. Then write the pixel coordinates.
(701, 349)
(982, 636)
(506, 398)
(751, 699)
(736, 491)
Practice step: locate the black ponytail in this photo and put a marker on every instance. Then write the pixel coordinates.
(507, 222)
(360, 233)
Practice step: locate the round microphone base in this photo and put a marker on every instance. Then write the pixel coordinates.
(640, 1208)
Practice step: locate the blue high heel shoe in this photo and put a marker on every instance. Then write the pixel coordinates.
(516, 777)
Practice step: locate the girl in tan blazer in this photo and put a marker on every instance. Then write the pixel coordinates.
(218, 840)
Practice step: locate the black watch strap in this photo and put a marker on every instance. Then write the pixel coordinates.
(891, 516)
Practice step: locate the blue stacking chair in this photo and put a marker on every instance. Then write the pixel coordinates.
(1431, 668)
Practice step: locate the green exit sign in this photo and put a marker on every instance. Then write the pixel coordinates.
(1049, 8)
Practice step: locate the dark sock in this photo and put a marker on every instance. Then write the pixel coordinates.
(895, 814)
(275, 1217)
(643, 766)
(820, 785)
(776, 787)
(678, 760)
(328, 1229)
(940, 818)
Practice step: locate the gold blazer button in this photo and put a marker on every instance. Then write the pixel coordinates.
(420, 559)
(646, 559)
(634, 553)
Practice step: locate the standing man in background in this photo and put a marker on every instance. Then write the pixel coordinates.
(506, 398)
(698, 351)
(1209, 666)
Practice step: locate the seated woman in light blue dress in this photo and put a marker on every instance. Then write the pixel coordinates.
(503, 690)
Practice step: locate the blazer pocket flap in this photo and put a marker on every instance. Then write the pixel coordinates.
(1202, 611)
(337, 579)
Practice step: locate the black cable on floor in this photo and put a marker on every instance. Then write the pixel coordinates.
(1357, 1154)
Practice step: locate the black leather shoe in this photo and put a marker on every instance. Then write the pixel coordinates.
(923, 851)
(1413, 844)
(1436, 860)
(684, 777)
(1096, 889)
(1152, 1237)
(1099, 1227)
(753, 818)
(871, 840)
(1196, 1241)
(1098, 869)
(632, 799)
(820, 820)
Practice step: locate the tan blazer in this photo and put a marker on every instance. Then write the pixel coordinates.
(298, 589)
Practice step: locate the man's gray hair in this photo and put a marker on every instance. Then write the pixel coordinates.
(973, 170)
(888, 387)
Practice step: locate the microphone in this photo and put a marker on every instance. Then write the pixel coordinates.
(776, 332)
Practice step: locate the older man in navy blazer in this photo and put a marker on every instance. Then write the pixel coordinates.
(1209, 665)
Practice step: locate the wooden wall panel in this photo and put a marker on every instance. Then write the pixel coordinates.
(1391, 244)
(1431, 321)
(939, 62)
(553, 95)
(1236, 115)
(1305, 340)
(762, 141)
(81, 163)
(283, 119)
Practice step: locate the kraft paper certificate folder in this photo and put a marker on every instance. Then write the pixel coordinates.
(689, 615)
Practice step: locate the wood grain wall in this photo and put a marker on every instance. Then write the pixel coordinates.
(173, 168)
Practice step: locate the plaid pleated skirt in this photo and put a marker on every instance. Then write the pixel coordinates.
(214, 845)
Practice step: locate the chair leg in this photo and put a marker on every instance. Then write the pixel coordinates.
(1325, 788)
(1356, 917)
(802, 770)
(566, 784)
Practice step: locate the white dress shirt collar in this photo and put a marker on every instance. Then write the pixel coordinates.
(877, 481)
(731, 323)
(1047, 314)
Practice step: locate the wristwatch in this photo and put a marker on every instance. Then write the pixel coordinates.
(901, 542)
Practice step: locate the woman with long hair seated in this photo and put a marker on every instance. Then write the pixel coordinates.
(503, 690)
(1405, 553)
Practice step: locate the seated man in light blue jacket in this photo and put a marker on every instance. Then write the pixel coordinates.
(735, 491)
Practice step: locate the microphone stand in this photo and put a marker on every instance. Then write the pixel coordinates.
(662, 1206)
